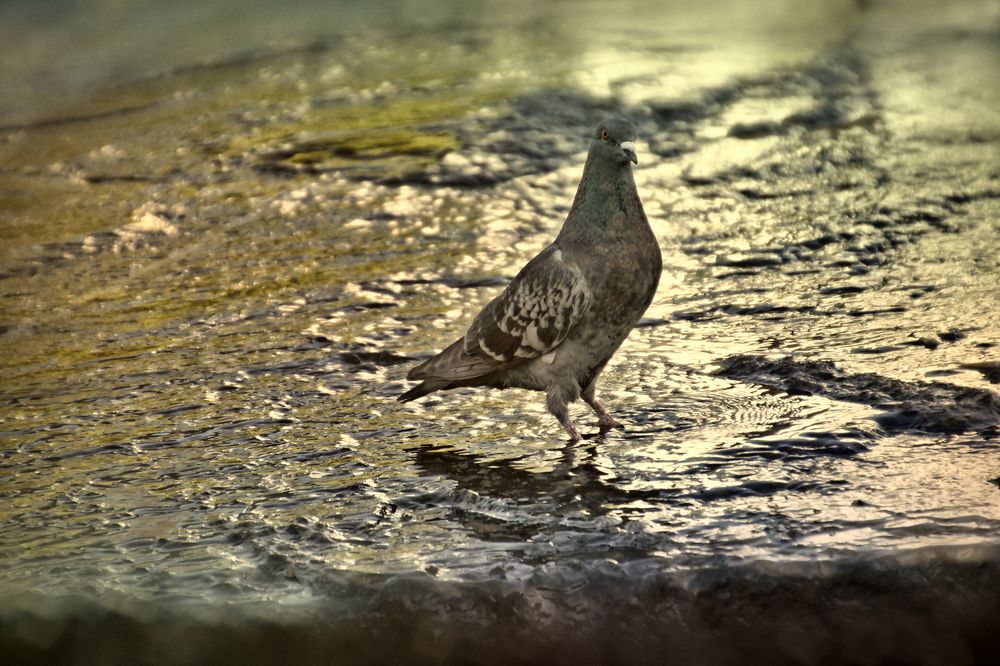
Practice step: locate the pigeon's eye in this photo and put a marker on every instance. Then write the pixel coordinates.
(604, 134)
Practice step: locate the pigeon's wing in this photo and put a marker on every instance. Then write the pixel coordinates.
(528, 319)
(533, 314)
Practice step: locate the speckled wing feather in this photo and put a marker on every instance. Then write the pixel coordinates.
(528, 319)
(533, 314)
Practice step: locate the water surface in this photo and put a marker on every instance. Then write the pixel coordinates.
(228, 234)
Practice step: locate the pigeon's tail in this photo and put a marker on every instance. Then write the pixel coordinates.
(422, 389)
(430, 383)
(449, 369)
(454, 365)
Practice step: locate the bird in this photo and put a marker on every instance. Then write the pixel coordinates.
(556, 325)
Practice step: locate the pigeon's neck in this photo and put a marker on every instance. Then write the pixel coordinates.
(606, 206)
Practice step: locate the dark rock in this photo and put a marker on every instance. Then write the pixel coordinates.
(922, 406)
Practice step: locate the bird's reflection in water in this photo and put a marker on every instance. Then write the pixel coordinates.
(577, 485)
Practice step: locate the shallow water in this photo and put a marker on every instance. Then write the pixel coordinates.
(224, 249)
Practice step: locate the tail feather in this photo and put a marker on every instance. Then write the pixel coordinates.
(449, 369)
(422, 389)
(453, 364)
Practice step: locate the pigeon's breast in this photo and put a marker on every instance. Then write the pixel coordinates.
(624, 279)
(622, 282)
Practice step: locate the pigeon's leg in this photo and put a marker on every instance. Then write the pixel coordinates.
(567, 423)
(604, 420)
(557, 399)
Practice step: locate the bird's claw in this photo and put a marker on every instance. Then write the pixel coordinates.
(608, 423)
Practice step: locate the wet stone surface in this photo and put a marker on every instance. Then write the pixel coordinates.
(215, 278)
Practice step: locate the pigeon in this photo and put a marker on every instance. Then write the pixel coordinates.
(558, 322)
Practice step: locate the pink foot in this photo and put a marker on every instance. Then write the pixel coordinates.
(607, 422)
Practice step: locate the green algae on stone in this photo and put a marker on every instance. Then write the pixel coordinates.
(366, 154)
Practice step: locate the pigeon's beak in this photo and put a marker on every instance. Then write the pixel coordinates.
(628, 147)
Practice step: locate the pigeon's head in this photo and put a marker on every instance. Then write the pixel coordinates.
(614, 140)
